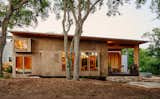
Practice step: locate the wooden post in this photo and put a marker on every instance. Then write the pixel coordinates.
(136, 55)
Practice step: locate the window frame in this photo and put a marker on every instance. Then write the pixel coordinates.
(23, 50)
(88, 60)
(23, 64)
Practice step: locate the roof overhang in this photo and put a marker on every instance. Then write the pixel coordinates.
(92, 38)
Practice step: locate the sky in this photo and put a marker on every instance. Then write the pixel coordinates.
(131, 24)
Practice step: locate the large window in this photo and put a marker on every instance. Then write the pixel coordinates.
(88, 61)
(23, 64)
(84, 62)
(22, 45)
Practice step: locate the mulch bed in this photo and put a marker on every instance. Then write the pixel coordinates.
(51, 88)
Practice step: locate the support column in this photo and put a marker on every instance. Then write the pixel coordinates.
(103, 59)
(136, 55)
(13, 60)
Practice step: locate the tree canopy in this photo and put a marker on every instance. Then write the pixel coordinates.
(19, 13)
(25, 12)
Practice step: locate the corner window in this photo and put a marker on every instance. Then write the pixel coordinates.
(22, 45)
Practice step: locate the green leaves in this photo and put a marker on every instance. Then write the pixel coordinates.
(151, 56)
(2, 10)
(155, 6)
(22, 17)
(27, 13)
(155, 45)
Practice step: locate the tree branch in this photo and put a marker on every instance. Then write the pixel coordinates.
(64, 18)
(89, 9)
(79, 9)
(73, 10)
(66, 14)
(20, 4)
(69, 21)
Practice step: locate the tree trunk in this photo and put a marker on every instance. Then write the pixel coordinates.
(2, 43)
(68, 67)
(77, 57)
(1, 56)
(71, 53)
(5, 23)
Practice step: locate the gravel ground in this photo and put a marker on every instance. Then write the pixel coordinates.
(60, 88)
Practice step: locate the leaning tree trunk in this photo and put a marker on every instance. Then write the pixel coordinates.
(5, 23)
(77, 55)
(1, 55)
(3, 42)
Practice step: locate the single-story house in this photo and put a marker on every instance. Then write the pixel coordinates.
(42, 54)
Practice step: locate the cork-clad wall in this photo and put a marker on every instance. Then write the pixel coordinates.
(46, 55)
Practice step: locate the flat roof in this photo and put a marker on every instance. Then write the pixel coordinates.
(93, 38)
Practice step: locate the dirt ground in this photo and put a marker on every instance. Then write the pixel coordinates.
(60, 88)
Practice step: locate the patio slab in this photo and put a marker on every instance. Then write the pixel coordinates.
(146, 84)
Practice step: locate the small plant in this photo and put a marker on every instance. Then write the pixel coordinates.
(1, 76)
(8, 69)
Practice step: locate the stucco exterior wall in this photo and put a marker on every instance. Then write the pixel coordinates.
(46, 56)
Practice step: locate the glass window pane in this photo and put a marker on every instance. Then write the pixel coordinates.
(63, 62)
(20, 44)
(27, 63)
(84, 61)
(93, 61)
(19, 64)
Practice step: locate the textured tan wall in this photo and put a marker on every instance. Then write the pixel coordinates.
(46, 56)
